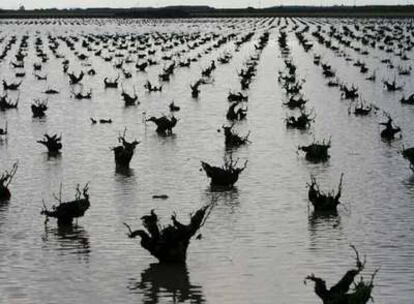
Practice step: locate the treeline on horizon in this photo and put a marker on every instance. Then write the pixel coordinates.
(207, 11)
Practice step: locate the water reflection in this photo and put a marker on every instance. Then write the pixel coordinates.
(324, 219)
(127, 172)
(41, 120)
(226, 195)
(167, 137)
(222, 189)
(409, 185)
(392, 143)
(321, 223)
(53, 157)
(4, 205)
(3, 140)
(68, 239)
(410, 180)
(170, 281)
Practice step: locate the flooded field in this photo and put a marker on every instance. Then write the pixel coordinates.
(262, 237)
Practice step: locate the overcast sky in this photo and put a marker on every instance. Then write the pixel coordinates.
(29, 4)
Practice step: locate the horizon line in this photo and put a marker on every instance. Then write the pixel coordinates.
(211, 7)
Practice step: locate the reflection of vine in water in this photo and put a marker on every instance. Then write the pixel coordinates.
(124, 172)
(318, 222)
(220, 195)
(54, 158)
(4, 207)
(3, 135)
(70, 239)
(3, 141)
(160, 281)
(409, 185)
(125, 181)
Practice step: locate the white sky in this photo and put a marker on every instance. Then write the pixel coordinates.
(30, 4)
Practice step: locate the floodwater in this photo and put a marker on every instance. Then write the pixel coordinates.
(261, 239)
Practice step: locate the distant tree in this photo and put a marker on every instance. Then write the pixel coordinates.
(22, 8)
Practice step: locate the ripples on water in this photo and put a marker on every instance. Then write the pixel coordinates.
(165, 280)
(260, 241)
